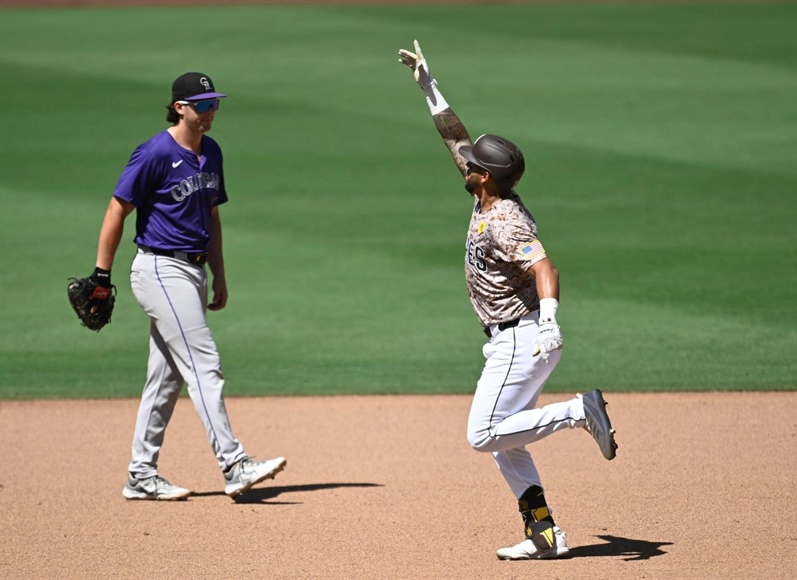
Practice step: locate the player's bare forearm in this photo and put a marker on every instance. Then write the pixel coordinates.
(546, 278)
(216, 263)
(215, 253)
(113, 226)
(454, 135)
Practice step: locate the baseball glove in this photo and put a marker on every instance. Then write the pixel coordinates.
(92, 302)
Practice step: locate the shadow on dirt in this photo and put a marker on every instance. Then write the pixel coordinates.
(264, 494)
(614, 546)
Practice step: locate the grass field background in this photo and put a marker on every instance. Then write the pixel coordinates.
(661, 151)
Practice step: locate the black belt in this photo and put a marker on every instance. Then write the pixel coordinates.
(502, 326)
(196, 258)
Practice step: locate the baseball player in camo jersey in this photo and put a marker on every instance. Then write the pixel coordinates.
(175, 182)
(514, 289)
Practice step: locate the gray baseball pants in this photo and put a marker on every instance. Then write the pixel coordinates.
(182, 351)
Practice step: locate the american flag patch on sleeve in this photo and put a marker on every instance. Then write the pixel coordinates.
(532, 250)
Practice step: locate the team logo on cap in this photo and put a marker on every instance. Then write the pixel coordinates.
(205, 83)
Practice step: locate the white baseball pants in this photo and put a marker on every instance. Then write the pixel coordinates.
(503, 418)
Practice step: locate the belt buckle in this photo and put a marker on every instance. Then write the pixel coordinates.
(198, 259)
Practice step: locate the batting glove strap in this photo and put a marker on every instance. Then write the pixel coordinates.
(101, 277)
(548, 309)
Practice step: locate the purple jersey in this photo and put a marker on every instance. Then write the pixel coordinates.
(173, 192)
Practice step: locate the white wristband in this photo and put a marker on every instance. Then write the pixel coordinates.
(437, 104)
(548, 308)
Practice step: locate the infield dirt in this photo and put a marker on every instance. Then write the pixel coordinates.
(703, 486)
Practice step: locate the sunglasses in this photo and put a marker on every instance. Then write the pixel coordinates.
(473, 168)
(202, 106)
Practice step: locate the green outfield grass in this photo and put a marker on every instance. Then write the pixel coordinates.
(662, 168)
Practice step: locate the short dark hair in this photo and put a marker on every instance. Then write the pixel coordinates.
(172, 116)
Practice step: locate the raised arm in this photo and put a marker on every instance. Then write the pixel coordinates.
(448, 124)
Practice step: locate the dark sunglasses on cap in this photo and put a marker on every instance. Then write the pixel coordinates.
(202, 106)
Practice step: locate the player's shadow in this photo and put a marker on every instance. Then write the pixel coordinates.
(265, 494)
(615, 546)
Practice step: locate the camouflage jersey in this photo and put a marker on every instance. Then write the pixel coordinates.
(502, 245)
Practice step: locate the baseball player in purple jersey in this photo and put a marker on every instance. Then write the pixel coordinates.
(514, 289)
(175, 182)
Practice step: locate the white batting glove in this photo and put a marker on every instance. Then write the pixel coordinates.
(549, 339)
(550, 336)
(420, 69)
(417, 63)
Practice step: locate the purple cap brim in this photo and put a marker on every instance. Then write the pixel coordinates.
(203, 96)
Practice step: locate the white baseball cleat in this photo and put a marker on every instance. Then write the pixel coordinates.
(154, 487)
(246, 473)
(526, 550)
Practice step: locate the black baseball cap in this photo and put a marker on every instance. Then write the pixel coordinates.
(194, 86)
